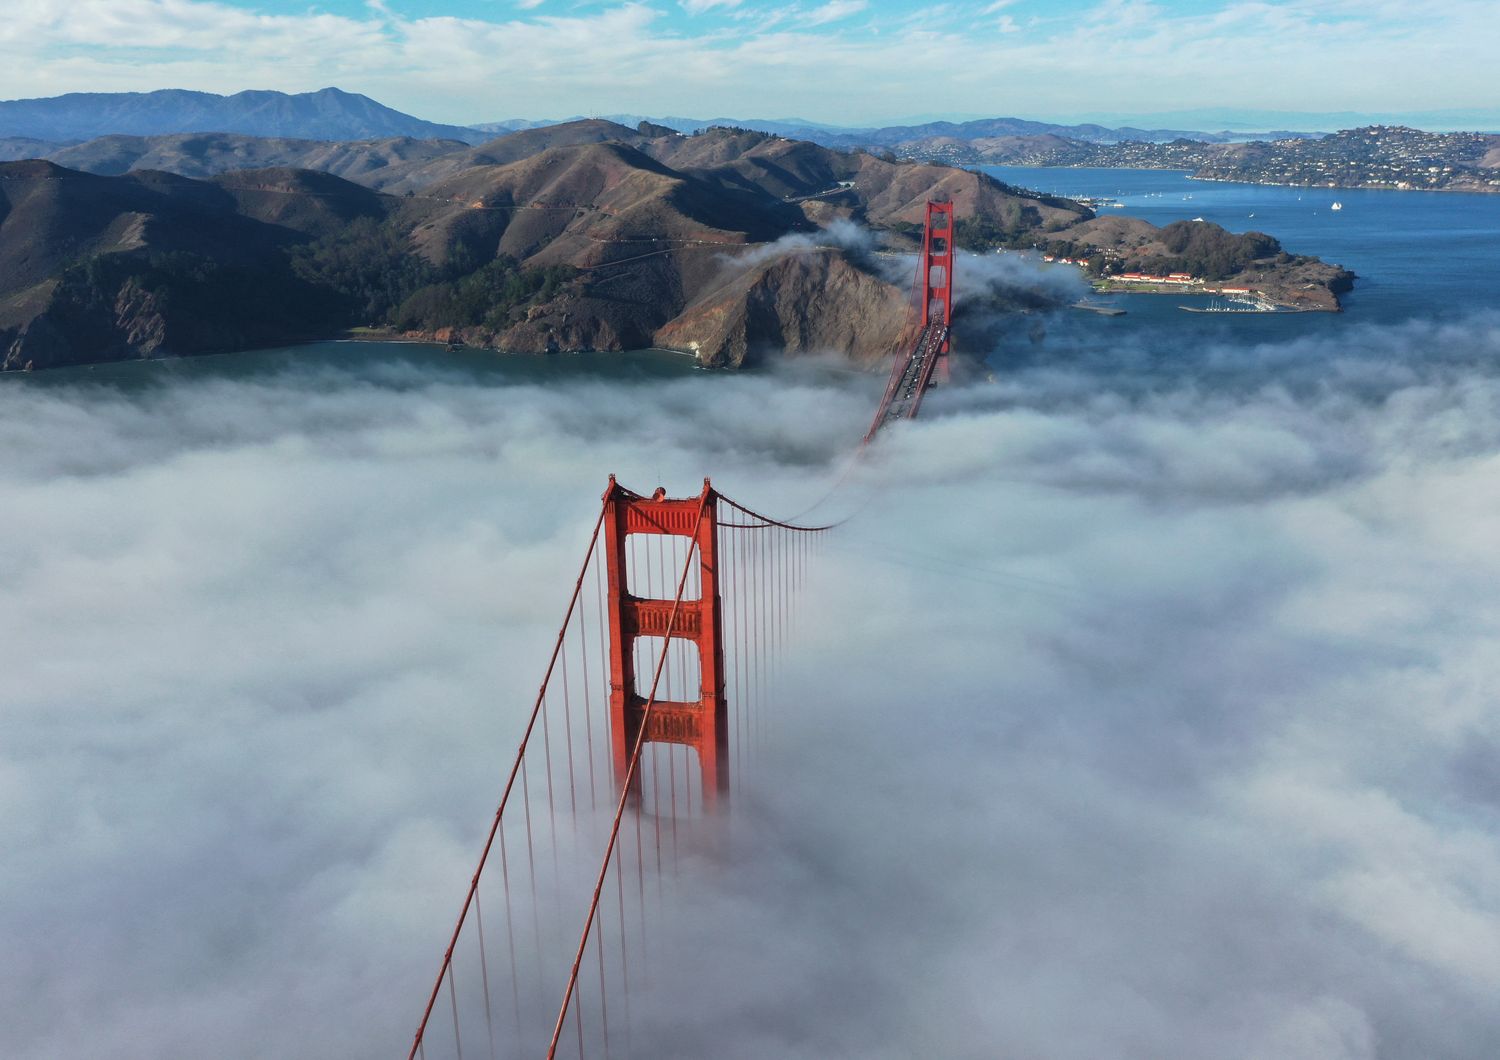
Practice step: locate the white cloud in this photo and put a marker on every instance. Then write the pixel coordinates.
(833, 11)
(633, 57)
(698, 7)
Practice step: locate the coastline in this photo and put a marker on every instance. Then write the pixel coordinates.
(1279, 300)
(1194, 175)
(1330, 187)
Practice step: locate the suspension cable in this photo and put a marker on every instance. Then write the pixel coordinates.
(635, 758)
(509, 785)
(766, 520)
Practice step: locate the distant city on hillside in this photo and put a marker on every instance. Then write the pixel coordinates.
(115, 132)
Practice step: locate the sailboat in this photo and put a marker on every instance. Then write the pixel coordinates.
(1337, 206)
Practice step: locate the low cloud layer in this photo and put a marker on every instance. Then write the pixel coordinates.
(855, 239)
(1131, 714)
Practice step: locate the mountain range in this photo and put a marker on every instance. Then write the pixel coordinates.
(332, 114)
(590, 234)
(587, 235)
(894, 135)
(329, 114)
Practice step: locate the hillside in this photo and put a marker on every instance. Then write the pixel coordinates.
(18, 148)
(100, 268)
(1378, 156)
(859, 186)
(583, 235)
(208, 154)
(396, 164)
(1125, 253)
(753, 165)
(511, 147)
(583, 205)
(304, 201)
(328, 114)
(51, 217)
(646, 238)
(803, 301)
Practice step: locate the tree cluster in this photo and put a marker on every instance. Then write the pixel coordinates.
(488, 297)
(372, 273)
(1208, 250)
(367, 267)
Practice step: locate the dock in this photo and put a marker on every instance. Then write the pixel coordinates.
(1102, 310)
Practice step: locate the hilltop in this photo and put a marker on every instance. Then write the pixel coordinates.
(328, 114)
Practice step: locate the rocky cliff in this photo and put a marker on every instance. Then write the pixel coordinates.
(800, 301)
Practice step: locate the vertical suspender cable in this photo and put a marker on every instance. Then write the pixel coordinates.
(614, 833)
(509, 784)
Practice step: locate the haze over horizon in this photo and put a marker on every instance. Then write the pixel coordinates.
(1210, 121)
(842, 62)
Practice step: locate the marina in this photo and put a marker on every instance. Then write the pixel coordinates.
(1258, 305)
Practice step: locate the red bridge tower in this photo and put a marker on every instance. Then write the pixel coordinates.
(936, 277)
(701, 724)
(927, 362)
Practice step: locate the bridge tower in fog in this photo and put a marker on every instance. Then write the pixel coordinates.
(643, 644)
(694, 617)
(668, 590)
(935, 274)
(927, 359)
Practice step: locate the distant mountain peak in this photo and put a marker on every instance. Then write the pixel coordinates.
(326, 114)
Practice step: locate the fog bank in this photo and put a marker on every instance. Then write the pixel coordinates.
(1139, 710)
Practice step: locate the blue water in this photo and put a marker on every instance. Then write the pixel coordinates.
(392, 365)
(1418, 254)
(1422, 258)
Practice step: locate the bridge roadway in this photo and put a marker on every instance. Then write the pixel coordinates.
(909, 379)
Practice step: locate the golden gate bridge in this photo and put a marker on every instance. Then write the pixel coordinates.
(653, 708)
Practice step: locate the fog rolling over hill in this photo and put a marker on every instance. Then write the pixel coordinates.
(328, 114)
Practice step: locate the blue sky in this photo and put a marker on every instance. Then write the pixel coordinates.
(840, 61)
